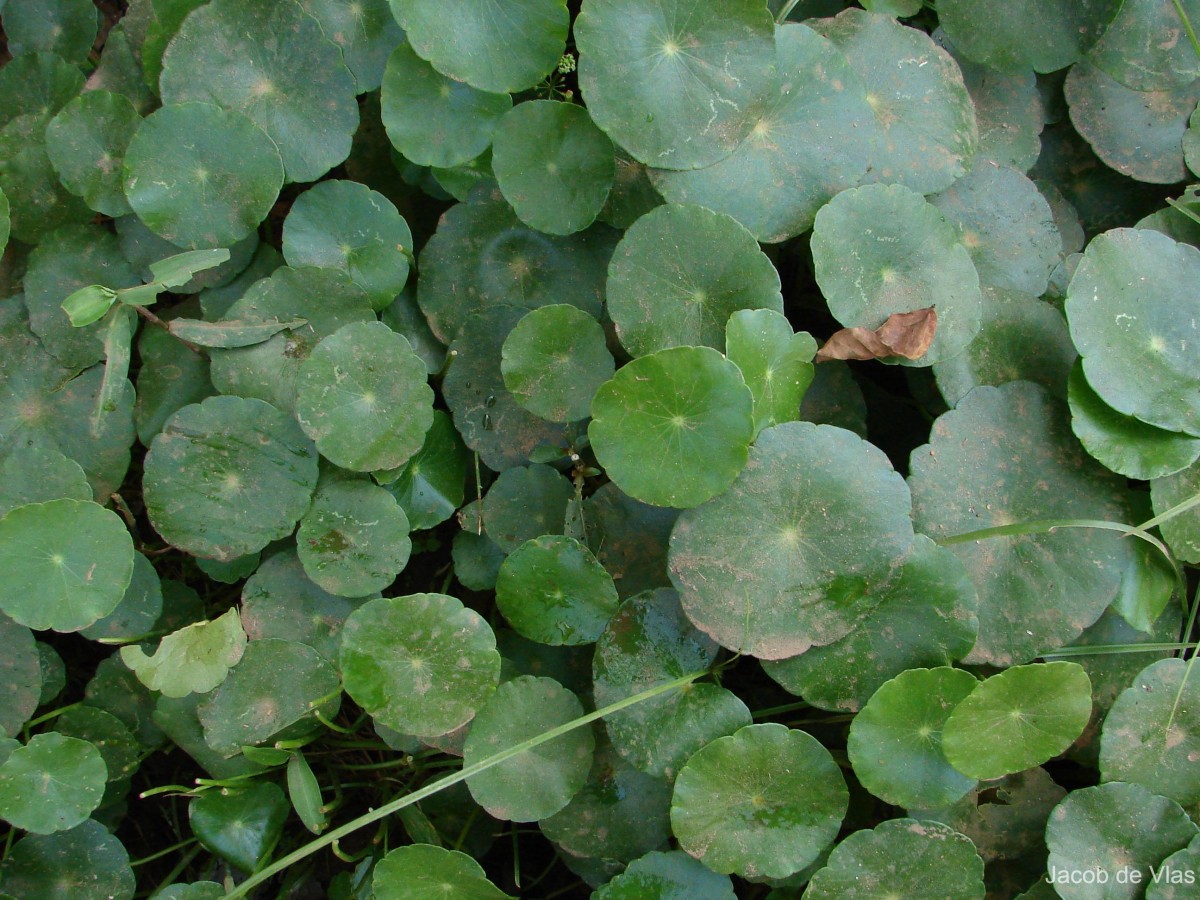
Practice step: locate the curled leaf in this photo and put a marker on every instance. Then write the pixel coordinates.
(229, 334)
(906, 334)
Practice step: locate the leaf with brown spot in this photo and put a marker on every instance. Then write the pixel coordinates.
(907, 334)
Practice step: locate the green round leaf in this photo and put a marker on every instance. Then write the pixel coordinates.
(1144, 47)
(629, 538)
(117, 746)
(434, 120)
(489, 49)
(647, 642)
(486, 414)
(67, 564)
(1095, 827)
(431, 485)
(86, 861)
(1007, 455)
(882, 249)
(36, 474)
(667, 876)
(228, 476)
(145, 250)
(325, 298)
(477, 560)
(632, 194)
(926, 618)
(38, 201)
(1182, 532)
(1006, 225)
(138, 610)
(679, 273)
(37, 84)
(86, 144)
(552, 590)
(810, 138)
(20, 676)
(1140, 134)
(1138, 746)
(421, 664)
(533, 784)
(366, 32)
(241, 826)
(115, 689)
(362, 396)
(1021, 338)
(482, 256)
(353, 540)
(1177, 874)
(553, 165)
(620, 813)
(1122, 443)
(405, 317)
(688, 409)
(51, 784)
(775, 362)
(280, 601)
(926, 132)
(1018, 719)
(789, 556)
(670, 83)
(1129, 311)
(63, 27)
(895, 743)
(765, 800)
(271, 62)
(554, 361)
(426, 872)
(222, 175)
(901, 858)
(1043, 35)
(194, 659)
(275, 685)
(345, 225)
(171, 377)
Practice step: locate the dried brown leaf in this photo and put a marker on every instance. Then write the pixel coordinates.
(906, 334)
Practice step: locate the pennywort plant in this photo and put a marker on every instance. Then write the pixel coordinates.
(700, 448)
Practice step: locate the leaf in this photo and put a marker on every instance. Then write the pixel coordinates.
(228, 476)
(424, 872)
(435, 120)
(1006, 455)
(362, 397)
(1182, 531)
(353, 541)
(89, 304)
(118, 350)
(534, 784)
(139, 610)
(1152, 733)
(176, 271)
(67, 564)
(647, 642)
(908, 259)
(926, 132)
(86, 143)
(629, 538)
(228, 334)
(347, 226)
(765, 800)
(402, 662)
(811, 137)
(37, 474)
(775, 363)
(1127, 306)
(925, 617)
(687, 408)
(679, 273)
(20, 676)
(51, 784)
(275, 685)
(63, 27)
(902, 334)
(273, 63)
(305, 793)
(469, 42)
(242, 826)
(789, 556)
(553, 165)
(1132, 49)
(1017, 719)
(431, 485)
(194, 659)
(5, 220)
(663, 83)
(145, 250)
(365, 33)
(895, 743)
(1094, 826)
(1029, 34)
(86, 861)
(223, 174)
(671, 875)
(552, 590)
(901, 857)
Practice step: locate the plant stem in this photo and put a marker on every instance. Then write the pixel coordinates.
(787, 11)
(463, 774)
(1187, 25)
(155, 320)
